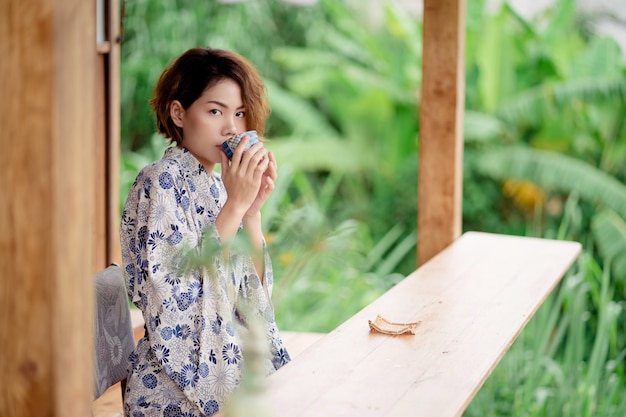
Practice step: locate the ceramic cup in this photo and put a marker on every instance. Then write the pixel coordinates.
(231, 143)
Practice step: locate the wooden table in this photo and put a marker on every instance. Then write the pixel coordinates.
(472, 300)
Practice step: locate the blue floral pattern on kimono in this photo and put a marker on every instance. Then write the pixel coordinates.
(190, 359)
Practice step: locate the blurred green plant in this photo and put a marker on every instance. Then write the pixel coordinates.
(325, 273)
(363, 136)
(156, 32)
(555, 124)
(561, 365)
(569, 360)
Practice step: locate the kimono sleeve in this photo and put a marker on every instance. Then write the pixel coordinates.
(257, 297)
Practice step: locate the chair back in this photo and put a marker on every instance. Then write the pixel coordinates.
(113, 338)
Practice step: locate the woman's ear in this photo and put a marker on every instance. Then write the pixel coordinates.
(176, 113)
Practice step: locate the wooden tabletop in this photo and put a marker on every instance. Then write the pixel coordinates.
(471, 300)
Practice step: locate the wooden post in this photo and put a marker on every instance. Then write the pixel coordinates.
(114, 250)
(441, 127)
(46, 209)
(107, 137)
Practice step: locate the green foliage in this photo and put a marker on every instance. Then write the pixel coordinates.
(563, 363)
(558, 125)
(557, 173)
(156, 32)
(325, 271)
(569, 361)
(609, 231)
(370, 133)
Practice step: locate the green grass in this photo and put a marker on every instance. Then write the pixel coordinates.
(566, 362)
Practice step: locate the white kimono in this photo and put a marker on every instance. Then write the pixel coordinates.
(190, 359)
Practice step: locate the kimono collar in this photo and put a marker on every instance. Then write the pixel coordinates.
(185, 159)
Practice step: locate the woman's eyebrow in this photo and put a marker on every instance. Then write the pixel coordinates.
(219, 103)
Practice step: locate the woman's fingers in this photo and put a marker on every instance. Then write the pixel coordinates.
(269, 184)
(224, 161)
(239, 151)
(246, 161)
(272, 169)
(255, 159)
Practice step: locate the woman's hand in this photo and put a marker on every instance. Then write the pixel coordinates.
(266, 187)
(249, 180)
(245, 177)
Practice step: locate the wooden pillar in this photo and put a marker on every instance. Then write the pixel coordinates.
(441, 127)
(46, 209)
(114, 250)
(107, 136)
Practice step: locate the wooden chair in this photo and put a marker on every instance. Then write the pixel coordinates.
(113, 333)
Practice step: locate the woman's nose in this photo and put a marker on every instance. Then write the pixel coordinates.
(230, 128)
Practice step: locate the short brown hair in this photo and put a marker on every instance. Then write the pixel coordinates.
(187, 77)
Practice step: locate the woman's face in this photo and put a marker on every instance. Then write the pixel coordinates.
(214, 117)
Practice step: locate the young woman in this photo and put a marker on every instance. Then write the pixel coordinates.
(190, 359)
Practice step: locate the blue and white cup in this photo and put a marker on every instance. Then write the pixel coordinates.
(231, 143)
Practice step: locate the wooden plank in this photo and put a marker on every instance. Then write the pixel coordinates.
(47, 76)
(472, 299)
(441, 127)
(298, 342)
(109, 404)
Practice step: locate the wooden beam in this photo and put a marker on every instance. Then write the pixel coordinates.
(441, 127)
(46, 210)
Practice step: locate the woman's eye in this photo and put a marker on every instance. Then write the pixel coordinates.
(215, 111)
(240, 114)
